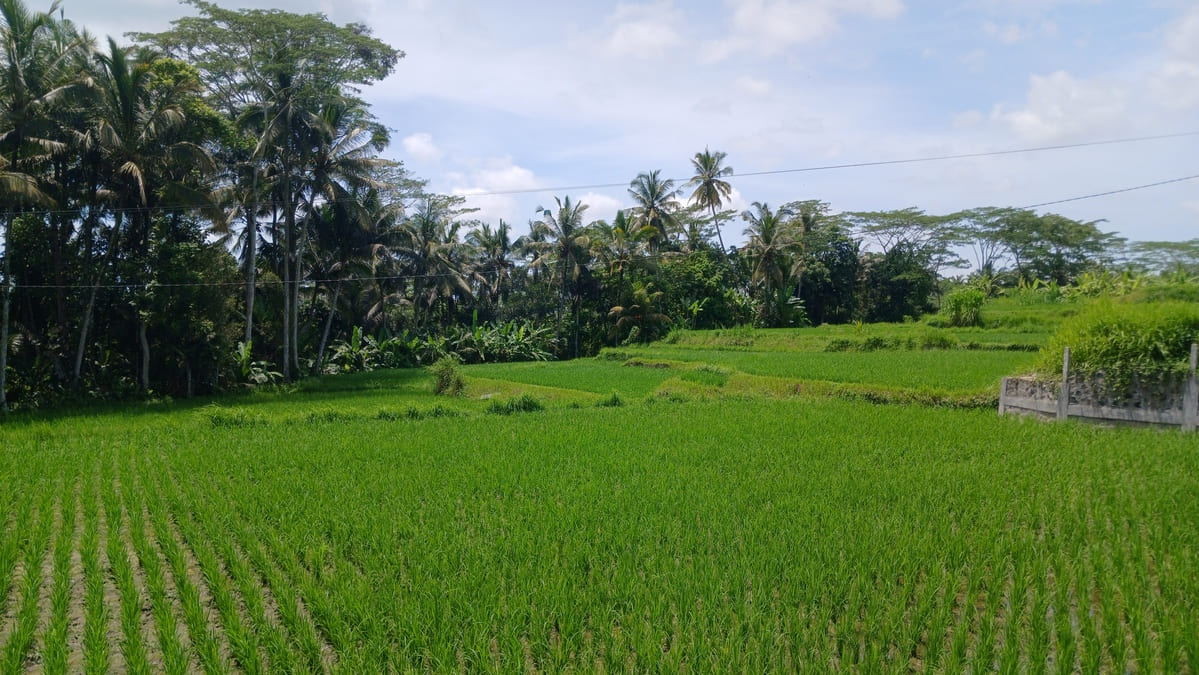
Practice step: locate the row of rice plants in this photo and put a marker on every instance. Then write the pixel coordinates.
(790, 535)
(453, 564)
(949, 370)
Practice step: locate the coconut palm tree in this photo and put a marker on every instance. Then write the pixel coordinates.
(336, 193)
(493, 260)
(711, 190)
(641, 314)
(808, 216)
(431, 250)
(571, 253)
(771, 243)
(532, 248)
(285, 115)
(619, 247)
(654, 205)
(35, 59)
(135, 135)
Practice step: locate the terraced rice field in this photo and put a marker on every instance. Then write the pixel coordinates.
(321, 531)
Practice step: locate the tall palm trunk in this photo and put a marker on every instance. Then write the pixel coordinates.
(7, 302)
(91, 303)
(320, 353)
(561, 302)
(286, 298)
(251, 257)
(719, 237)
(296, 276)
(145, 347)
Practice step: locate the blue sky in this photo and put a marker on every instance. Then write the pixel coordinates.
(522, 95)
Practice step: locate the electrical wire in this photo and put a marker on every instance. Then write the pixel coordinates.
(858, 165)
(1111, 192)
(749, 174)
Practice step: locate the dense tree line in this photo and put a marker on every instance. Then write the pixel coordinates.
(214, 196)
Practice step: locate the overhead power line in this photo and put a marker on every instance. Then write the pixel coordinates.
(1112, 192)
(748, 174)
(858, 165)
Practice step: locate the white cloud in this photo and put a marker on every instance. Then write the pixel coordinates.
(1008, 34)
(600, 206)
(975, 60)
(1182, 38)
(644, 31)
(967, 119)
(754, 85)
(485, 185)
(421, 147)
(770, 26)
(1011, 33)
(1062, 107)
(713, 106)
(1176, 84)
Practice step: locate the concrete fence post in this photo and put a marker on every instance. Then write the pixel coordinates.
(1190, 400)
(1063, 396)
(1003, 396)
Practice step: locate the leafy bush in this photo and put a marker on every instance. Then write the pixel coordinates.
(934, 339)
(839, 345)
(964, 307)
(360, 354)
(520, 404)
(501, 343)
(876, 343)
(254, 372)
(447, 378)
(1151, 340)
(1166, 292)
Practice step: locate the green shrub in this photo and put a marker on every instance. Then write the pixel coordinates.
(839, 345)
(935, 339)
(1152, 340)
(360, 354)
(520, 404)
(964, 307)
(447, 378)
(876, 343)
(1166, 292)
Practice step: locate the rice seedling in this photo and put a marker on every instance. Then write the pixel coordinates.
(54, 650)
(96, 614)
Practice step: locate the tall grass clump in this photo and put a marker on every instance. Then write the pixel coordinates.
(612, 401)
(964, 307)
(1151, 340)
(520, 404)
(447, 377)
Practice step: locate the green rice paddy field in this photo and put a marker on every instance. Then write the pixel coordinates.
(709, 510)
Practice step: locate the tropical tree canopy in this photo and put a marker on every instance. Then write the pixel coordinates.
(211, 206)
